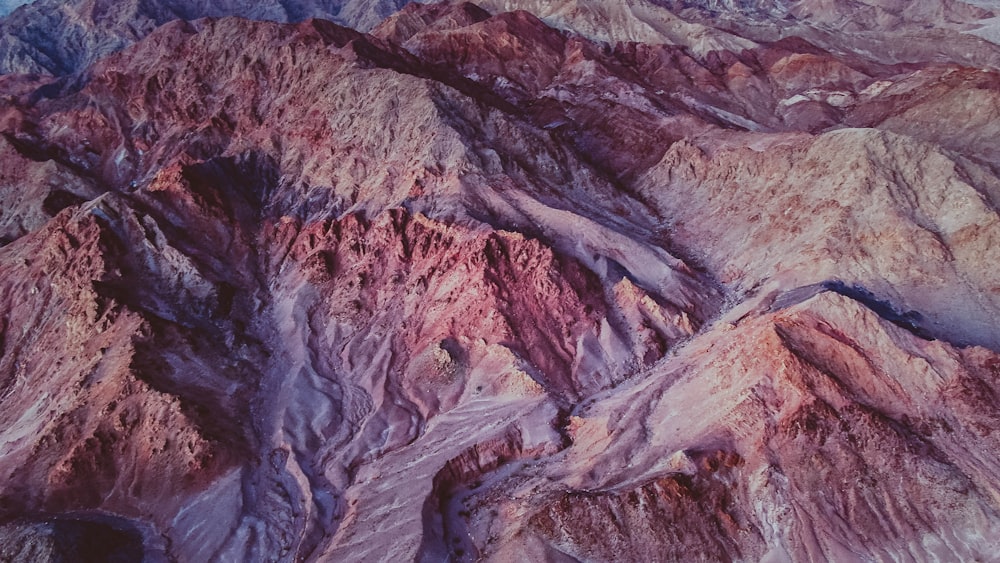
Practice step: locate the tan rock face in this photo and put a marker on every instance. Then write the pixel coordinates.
(579, 281)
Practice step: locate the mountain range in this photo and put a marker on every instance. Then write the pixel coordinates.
(513, 280)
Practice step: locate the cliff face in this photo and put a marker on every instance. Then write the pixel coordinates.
(472, 286)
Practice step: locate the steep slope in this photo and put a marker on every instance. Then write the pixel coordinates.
(60, 37)
(475, 287)
(897, 216)
(284, 314)
(813, 432)
(883, 31)
(631, 21)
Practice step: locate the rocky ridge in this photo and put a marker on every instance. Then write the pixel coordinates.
(62, 37)
(497, 289)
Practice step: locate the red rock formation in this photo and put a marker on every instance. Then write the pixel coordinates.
(57, 37)
(586, 281)
(832, 438)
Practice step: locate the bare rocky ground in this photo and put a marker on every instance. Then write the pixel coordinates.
(547, 281)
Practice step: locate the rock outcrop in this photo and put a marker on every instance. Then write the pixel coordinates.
(578, 281)
(64, 37)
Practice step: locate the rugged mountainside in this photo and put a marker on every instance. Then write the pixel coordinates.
(633, 281)
(887, 31)
(65, 36)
